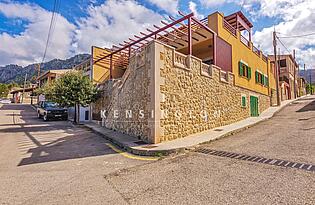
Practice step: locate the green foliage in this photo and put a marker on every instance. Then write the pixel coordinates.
(310, 88)
(47, 90)
(71, 89)
(13, 85)
(4, 90)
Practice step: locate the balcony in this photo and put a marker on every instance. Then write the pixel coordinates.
(256, 50)
(229, 27)
(245, 41)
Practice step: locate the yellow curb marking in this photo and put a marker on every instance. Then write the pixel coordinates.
(130, 156)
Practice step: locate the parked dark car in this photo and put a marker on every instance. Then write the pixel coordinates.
(50, 110)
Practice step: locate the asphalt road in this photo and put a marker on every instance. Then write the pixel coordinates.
(56, 163)
(197, 178)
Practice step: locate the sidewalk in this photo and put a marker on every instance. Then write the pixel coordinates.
(132, 145)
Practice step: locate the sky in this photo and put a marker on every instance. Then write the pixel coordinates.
(24, 24)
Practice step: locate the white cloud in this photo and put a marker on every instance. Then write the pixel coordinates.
(296, 17)
(193, 8)
(211, 3)
(113, 22)
(28, 46)
(171, 6)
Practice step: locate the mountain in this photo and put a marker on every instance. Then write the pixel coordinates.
(15, 73)
(310, 74)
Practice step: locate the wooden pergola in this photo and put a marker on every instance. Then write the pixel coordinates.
(178, 33)
(240, 22)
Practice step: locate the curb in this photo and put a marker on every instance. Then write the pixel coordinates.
(147, 152)
(132, 150)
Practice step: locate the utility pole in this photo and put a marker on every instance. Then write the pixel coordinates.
(38, 74)
(279, 68)
(24, 88)
(276, 66)
(38, 71)
(305, 76)
(294, 77)
(311, 83)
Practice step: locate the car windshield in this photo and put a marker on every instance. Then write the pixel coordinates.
(50, 104)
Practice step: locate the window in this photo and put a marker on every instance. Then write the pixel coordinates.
(245, 70)
(243, 100)
(283, 63)
(261, 79)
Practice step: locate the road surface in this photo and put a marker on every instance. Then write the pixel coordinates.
(56, 163)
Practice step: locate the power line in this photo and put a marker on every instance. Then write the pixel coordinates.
(283, 44)
(297, 36)
(51, 27)
(55, 19)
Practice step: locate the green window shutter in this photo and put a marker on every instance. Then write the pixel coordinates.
(262, 79)
(256, 76)
(243, 101)
(249, 72)
(240, 65)
(266, 81)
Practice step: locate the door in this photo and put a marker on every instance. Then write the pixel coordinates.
(254, 106)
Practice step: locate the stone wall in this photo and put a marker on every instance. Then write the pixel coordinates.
(177, 94)
(273, 97)
(126, 100)
(192, 90)
(106, 93)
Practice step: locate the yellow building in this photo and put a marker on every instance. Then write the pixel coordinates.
(98, 70)
(50, 75)
(250, 66)
(231, 48)
(182, 69)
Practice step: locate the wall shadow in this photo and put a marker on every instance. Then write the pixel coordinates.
(309, 107)
(74, 143)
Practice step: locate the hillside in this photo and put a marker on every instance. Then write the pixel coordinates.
(15, 73)
(309, 73)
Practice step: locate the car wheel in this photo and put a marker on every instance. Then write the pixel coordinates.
(45, 117)
(38, 115)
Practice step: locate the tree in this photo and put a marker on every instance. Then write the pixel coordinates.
(73, 89)
(13, 85)
(310, 88)
(4, 90)
(47, 90)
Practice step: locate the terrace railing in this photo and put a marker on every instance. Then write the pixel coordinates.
(256, 50)
(229, 27)
(204, 21)
(224, 76)
(265, 58)
(244, 40)
(180, 60)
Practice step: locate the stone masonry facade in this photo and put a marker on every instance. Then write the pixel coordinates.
(179, 96)
(125, 101)
(198, 97)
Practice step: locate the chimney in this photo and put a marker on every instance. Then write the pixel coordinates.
(294, 54)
